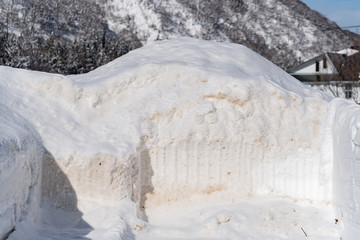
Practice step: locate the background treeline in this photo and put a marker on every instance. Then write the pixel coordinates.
(59, 36)
(73, 36)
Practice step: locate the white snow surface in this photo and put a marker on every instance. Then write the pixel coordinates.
(348, 51)
(20, 170)
(180, 139)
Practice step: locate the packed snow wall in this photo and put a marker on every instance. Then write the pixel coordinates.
(87, 182)
(256, 139)
(20, 170)
(197, 134)
(346, 171)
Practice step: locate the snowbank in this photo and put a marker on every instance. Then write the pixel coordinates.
(173, 121)
(346, 173)
(20, 171)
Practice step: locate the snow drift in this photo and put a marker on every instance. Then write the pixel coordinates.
(172, 121)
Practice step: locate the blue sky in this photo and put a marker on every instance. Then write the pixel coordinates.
(344, 13)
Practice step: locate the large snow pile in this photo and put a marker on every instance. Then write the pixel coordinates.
(175, 122)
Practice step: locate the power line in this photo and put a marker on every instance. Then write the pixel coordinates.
(358, 26)
(355, 27)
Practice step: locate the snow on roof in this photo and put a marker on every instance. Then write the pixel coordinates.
(348, 51)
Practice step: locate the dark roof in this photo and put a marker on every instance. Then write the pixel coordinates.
(351, 68)
(337, 60)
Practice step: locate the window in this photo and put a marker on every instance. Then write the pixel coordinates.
(317, 66)
(348, 90)
(324, 63)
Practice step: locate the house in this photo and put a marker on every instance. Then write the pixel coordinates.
(336, 70)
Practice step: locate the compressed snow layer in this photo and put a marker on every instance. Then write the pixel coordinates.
(244, 147)
(20, 170)
(169, 122)
(346, 175)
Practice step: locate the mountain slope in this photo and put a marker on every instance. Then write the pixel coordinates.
(285, 32)
(77, 36)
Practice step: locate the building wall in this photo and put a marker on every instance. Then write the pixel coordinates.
(310, 69)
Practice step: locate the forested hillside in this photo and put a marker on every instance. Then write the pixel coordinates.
(76, 36)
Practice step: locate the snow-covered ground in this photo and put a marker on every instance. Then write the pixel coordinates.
(255, 219)
(181, 139)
